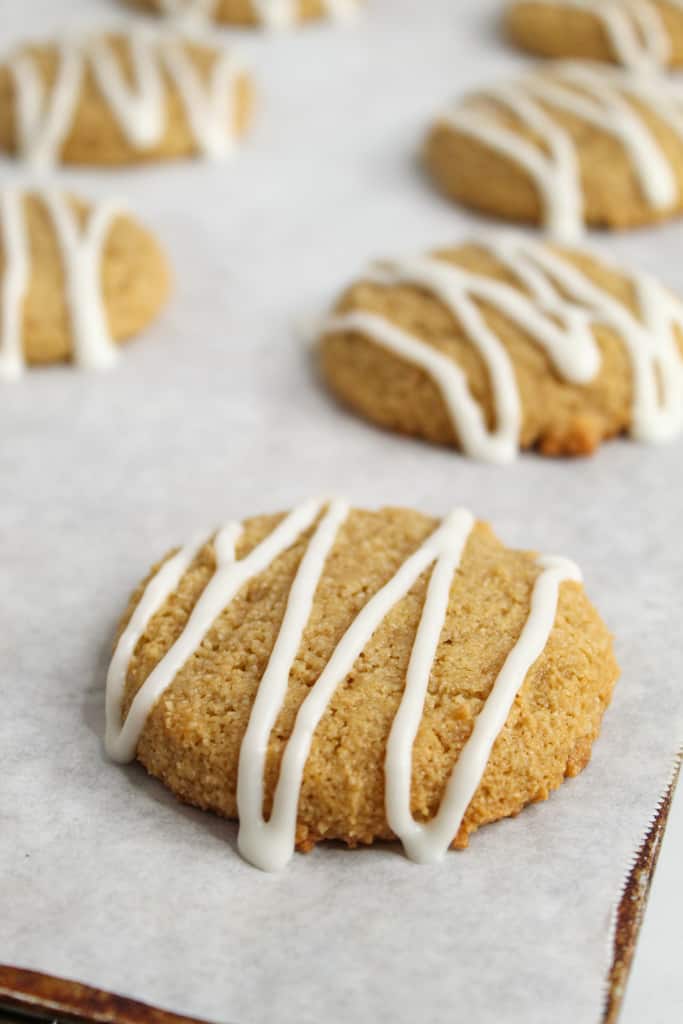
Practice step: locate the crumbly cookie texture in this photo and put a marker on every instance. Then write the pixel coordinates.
(191, 740)
(95, 133)
(553, 28)
(244, 12)
(134, 279)
(557, 415)
(605, 152)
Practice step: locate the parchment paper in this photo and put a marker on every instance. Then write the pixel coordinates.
(214, 414)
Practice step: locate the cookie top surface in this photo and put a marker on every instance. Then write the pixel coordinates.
(121, 99)
(267, 13)
(75, 279)
(568, 144)
(359, 675)
(641, 34)
(509, 343)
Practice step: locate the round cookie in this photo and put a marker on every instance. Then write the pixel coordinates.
(568, 144)
(269, 13)
(74, 280)
(359, 675)
(505, 344)
(634, 33)
(122, 99)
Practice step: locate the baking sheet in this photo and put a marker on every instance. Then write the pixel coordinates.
(216, 413)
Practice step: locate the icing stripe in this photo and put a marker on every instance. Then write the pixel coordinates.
(140, 108)
(44, 120)
(596, 95)
(559, 313)
(275, 13)
(256, 835)
(42, 124)
(229, 577)
(122, 737)
(428, 843)
(14, 284)
(270, 844)
(656, 360)
(608, 110)
(207, 114)
(465, 414)
(202, 10)
(162, 585)
(555, 172)
(273, 846)
(81, 249)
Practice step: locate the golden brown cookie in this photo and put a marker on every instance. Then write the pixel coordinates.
(273, 13)
(74, 280)
(509, 343)
(355, 675)
(121, 99)
(634, 33)
(567, 144)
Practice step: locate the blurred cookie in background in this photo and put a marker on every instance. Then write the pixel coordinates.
(505, 344)
(634, 33)
(75, 280)
(123, 98)
(265, 13)
(566, 145)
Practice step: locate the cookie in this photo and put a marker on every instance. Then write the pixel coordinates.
(641, 34)
(509, 343)
(269, 13)
(570, 143)
(122, 99)
(359, 675)
(74, 280)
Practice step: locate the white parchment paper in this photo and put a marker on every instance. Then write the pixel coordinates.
(214, 414)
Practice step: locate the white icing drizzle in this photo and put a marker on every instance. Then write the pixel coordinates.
(140, 107)
(466, 415)
(273, 14)
(164, 582)
(598, 96)
(42, 124)
(635, 28)
(229, 577)
(269, 844)
(14, 284)
(429, 843)
(199, 10)
(558, 311)
(81, 249)
(45, 117)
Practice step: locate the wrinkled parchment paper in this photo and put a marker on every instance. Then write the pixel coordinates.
(215, 413)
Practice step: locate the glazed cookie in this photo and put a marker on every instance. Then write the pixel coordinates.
(74, 280)
(509, 343)
(270, 13)
(354, 675)
(635, 33)
(122, 99)
(569, 143)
